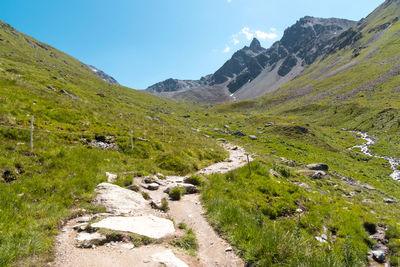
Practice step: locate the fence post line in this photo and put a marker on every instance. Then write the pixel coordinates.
(32, 134)
(131, 139)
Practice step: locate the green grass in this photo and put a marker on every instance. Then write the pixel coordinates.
(187, 243)
(262, 222)
(257, 212)
(59, 177)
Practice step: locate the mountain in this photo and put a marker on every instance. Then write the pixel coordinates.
(254, 71)
(362, 63)
(103, 75)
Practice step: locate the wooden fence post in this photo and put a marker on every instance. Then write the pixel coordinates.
(32, 134)
(131, 139)
(248, 162)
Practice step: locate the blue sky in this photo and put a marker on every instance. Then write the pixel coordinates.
(141, 42)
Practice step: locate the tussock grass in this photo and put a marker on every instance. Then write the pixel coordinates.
(187, 243)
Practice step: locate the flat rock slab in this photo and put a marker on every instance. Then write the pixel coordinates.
(84, 237)
(149, 225)
(175, 179)
(169, 259)
(118, 200)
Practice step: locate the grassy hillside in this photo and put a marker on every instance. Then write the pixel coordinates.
(71, 108)
(356, 87)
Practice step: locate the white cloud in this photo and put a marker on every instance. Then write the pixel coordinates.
(247, 33)
(226, 50)
(264, 35)
(229, 1)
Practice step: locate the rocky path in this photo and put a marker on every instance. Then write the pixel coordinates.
(82, 244)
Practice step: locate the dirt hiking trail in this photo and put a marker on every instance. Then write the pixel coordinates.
(81, 244)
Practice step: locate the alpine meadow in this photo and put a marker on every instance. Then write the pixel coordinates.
(284, 156)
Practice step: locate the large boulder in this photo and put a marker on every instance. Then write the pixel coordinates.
(318, 167)
(152, 186)
(168, 258)
(149, 225)
(119, 200)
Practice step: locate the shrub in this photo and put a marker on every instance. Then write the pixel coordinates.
(146, 195)
(176, 193)
(194, 180)
(164, 205)
(187, 243)
(139, 240)
(284, 171)
(182, 226)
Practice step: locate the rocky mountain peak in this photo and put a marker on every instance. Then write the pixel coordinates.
(103, 75)
(255, 45)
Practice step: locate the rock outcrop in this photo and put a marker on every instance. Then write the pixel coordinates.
(103, 75)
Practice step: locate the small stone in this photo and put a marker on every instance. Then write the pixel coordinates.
(111, 178)
(379, 256)
(84, 219)
(318, 167)
(318, 175)
(133, 187)
(86, 239)
(239, 133)
(253, 137)
(389, 201)
(148, 180)
(128, 246)
(366, 186)
(367, 201)
(228, 249)
(299, 210)
(320, 239)
(80, 227)
(274, 173)
(153, 186)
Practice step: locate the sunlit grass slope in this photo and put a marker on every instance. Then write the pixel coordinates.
(71, 107)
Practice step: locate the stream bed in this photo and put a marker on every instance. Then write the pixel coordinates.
(394, 162)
